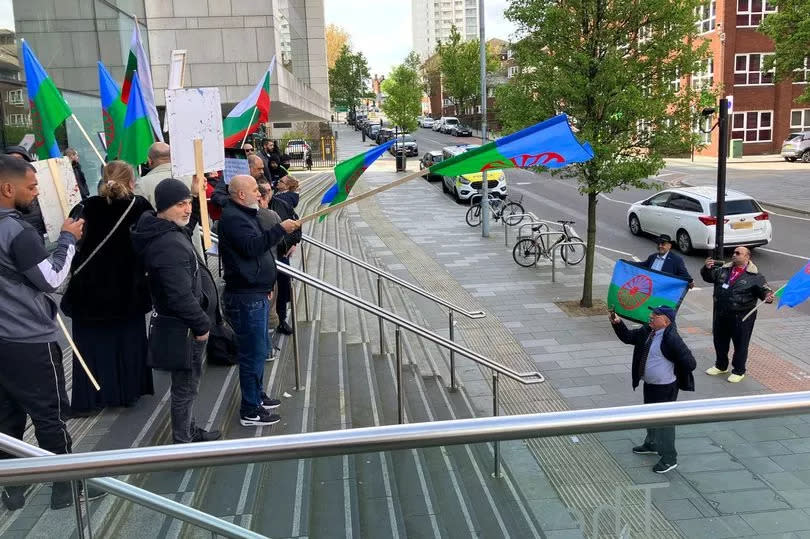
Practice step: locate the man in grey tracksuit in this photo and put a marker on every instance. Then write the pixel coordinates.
(32, 381)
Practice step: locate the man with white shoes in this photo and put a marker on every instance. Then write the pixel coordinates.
(737, 287)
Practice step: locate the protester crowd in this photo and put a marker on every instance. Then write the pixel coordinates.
(129, 258)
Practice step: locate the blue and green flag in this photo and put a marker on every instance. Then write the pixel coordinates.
(797, 289)
(634, 290)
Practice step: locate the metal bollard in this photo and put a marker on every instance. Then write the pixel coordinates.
(400, 396)
(379, 319)
(452, 354)
(497, 473)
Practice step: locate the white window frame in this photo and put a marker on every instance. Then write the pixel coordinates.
(706, 16)
(511, 71)
(802, 75)
(751, 14)
(706, 123)
(644, 34)
(15, 97)
(803, 125)
(747, 71)
(746, 128)
(705, 77)
(675, 84)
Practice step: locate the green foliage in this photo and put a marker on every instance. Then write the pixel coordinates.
(460, 66)
(403, 89)
(586, 58)
(789, 28)
(348, 79)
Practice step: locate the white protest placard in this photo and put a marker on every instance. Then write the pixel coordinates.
(195, 113)
(58, 193)
(235, 167)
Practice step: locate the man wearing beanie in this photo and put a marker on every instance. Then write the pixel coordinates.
(665, 363)
(182, 288)
(250, 273)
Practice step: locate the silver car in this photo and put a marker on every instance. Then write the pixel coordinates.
(797, 146)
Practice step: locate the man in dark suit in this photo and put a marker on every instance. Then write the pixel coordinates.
(668, 262)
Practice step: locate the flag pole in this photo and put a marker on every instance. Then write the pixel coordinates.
(87, 137)
(77, 353)
(367, 194)
(248, 131)
(752, 311)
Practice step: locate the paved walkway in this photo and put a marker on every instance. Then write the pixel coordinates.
(735, 479)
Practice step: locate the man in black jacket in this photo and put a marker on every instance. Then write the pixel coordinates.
(181, 287)
(665, 363)
(250, 273)
(668, 262)
(737, 287)
(280, 203)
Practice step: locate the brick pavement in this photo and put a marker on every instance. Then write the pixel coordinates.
(735, 479)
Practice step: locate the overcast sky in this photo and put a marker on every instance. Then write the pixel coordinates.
(382, 30)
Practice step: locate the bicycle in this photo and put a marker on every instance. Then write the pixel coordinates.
(527, 251)
(510, 210)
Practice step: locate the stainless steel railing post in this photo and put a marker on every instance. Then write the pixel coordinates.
(77, 506)
(379, 319)
(400, 396)
(296, 350)
(497, 463)
(452, 325)
(304, 285)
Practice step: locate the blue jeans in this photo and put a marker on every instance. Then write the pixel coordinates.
(247, 314)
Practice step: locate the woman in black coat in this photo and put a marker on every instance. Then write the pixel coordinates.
(107, 297)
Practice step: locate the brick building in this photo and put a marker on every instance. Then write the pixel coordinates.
(763, 112)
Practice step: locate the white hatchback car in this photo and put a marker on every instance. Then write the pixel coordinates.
(688, 215)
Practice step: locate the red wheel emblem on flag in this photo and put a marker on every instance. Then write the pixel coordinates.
(635, 292)
(807, 268)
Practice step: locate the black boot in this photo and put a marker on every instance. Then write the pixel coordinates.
(13, 497)
(62, 495)
(284, 327)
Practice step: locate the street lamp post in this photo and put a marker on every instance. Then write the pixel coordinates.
(484, 184)
(722, 157)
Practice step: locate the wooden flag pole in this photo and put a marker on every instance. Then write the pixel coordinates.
(59, 185)
(248, 130)
(752, 311)
(77, 353)
(367, 194)
(199, 168)
(87, 137)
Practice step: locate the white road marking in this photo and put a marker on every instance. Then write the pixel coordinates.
(782, 253)
(787, 216)
(603, 195)
(634, 257)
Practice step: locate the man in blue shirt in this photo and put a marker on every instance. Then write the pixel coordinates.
(668, 262)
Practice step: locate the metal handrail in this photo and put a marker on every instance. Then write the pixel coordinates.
(393, 278)
(129, 492)
(525, 378)
(395, 437)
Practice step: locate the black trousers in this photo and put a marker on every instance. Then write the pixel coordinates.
(662, 439)
(729, 327)
(284, 283)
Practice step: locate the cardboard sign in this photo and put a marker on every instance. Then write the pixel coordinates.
(195, 113)
(58, 193)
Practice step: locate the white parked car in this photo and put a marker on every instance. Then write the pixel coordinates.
(427, 121)
(437, 124)
(688, 215)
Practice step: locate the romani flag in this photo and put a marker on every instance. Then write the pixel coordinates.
(251, 112)
(796, 290)
(137, 62)
(550, 143)
(137, 134)
(347, 172)
(113, 110)
(48, 108)
(635, 290)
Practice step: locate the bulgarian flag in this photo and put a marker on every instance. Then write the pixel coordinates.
(550, 143)
(113, 110)
(634, 290)
(137, 134)
(48, 108)
(347, 173)
(137, 62)
(251, 112)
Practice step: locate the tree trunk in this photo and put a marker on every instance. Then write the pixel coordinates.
(590, 254)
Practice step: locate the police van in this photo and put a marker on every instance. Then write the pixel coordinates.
(465, 186)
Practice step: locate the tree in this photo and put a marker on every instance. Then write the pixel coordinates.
(348, 79)
(403, 89)
(336, 38)
(608, 64)
(460, 67)
(789, 28)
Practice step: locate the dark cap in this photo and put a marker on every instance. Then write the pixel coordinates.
(169, 192)
(669, 312)
(663, 238)
(21, 151)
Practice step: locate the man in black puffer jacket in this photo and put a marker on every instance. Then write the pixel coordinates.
(181, 287)
(665, 363)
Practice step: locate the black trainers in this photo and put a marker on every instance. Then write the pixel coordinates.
(202, 435)
(284, 327)
(663, 467)
(259, 418)
(644, 449)
(268, 403)
(62, 496)
(13, 498)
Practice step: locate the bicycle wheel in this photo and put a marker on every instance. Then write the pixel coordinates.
(572, 254)
(473, 216)
(513, 213)
(526, 252)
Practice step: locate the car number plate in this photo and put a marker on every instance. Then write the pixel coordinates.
(742, 225)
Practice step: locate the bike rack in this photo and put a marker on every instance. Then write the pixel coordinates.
(554, 255)
(544, 234)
